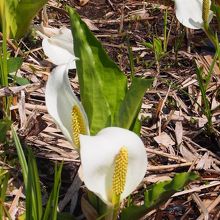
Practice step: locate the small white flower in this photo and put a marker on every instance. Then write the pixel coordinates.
(106, 171)
(58, 46)
(189, 13)
(64, 106)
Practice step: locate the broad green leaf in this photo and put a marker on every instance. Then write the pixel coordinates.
(136, 127)
(157, 194)
(5, 125)
(21, 81)
(18, 15)
(130, 106)
(102, 84)
(14, 63)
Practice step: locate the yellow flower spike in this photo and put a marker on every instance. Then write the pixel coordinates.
(78, 125)
(119, 176)
(205, 11)
(64, 107)
(114, 162)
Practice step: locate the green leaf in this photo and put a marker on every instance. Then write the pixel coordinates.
(52, 203)
(21, 156)
(215, 7)
(148, 45)
(4, 177)
(5, 125)
(14, 63)
(33, 179)
(130, 106)
(158, 48)
(136, 127)
(21, 81)
(157, 194)
(18, 15)
(21, 217)
(102, 84)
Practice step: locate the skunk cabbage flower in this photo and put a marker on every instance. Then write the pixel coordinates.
(64, 107)
(58, 46)
(190, 13)
(113, 163)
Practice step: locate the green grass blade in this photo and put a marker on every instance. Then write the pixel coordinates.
(208, 77)
(165, 41)
(207, 107)
(131, 60)
(21, 156)
(29, 212)
(35, 181)
(51, 208)
(4, 78)
(4, 177)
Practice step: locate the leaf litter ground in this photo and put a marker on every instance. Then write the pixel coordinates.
(173, 124)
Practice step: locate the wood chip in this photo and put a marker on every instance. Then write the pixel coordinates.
(164, 139)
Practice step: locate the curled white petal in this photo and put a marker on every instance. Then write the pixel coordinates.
(97, 157)
(189, 13)
(47, 31)
(60, 100)
(59, 47)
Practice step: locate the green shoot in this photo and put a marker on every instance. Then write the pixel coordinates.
(203, 86)
(4, 176)
(3, 63)
(51, 211)
(165, 41)
(34, 207)
(21, 156)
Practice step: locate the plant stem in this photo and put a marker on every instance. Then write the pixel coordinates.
(210, 35)
(4, 65)
(165, 41)
(115, 211)
(112, 212)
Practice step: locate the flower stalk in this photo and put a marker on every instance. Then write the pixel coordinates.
(205, 16)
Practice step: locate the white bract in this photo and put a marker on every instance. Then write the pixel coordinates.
(58, 46)
(61, 101)
(189, 13)
(98, 156)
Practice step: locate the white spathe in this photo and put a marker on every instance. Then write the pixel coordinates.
(58, 46)
(189, 13)
(60, 100)
(98, 155)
